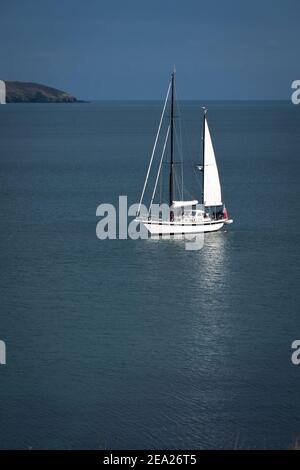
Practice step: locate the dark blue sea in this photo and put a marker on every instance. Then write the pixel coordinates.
(142, 344)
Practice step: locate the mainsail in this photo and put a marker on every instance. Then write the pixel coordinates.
(211, 182)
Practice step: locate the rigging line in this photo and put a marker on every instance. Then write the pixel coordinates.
(177, 185)
(187, 132)
(160, 186)
(183, 127)
(180, 140)
(179, 147)
(159, 168)
(189, 194)
(161, 179)
(179, 115)
(181, 163)
(153, 151)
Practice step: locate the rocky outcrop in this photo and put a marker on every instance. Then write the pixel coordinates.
(26, 92)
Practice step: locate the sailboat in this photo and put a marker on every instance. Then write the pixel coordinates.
(185, 216)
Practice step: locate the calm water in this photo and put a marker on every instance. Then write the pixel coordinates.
(141, 344)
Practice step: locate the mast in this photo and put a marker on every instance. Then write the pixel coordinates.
(203, 153)
(172, 141)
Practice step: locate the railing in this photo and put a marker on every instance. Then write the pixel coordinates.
(186, 218)
(181, 219)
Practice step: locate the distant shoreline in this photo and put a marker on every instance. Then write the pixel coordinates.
(28, 92)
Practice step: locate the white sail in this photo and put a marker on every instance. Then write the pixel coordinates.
(2, 92)
(212, 187)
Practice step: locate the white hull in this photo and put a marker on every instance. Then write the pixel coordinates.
(175, 228)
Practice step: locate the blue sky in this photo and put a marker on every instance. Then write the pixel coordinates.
(97, 49)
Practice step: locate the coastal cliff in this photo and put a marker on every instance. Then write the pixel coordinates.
(26, 92)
